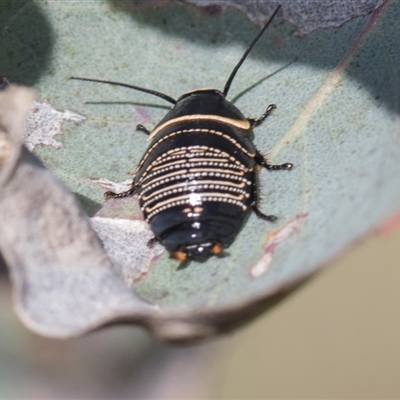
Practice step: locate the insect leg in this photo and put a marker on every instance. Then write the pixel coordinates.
(152, 242)
(141, 128)
(261, 160)
(253, 205)
(254, 122)
(269, 218)
(113, 195)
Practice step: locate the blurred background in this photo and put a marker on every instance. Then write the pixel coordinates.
(338, 337)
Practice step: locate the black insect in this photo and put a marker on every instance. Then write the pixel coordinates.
(197, 180)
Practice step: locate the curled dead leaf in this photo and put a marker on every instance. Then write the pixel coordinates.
(64, 283)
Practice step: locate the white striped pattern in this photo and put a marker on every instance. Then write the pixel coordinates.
(191, 176)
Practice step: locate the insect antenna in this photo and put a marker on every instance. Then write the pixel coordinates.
(246, 53)
(153, 92)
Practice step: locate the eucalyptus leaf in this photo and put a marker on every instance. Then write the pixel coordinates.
(337, 121)
(306, 15)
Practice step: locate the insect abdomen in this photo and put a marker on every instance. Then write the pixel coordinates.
(195, 183)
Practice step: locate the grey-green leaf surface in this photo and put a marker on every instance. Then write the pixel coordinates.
(337, 92)
(304, 14)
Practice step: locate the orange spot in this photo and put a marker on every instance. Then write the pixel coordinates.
(217, 249)
(179, 255)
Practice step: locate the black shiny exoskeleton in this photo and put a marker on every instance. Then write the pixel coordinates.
(197, 180)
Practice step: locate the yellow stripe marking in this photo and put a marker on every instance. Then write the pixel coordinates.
(179, 175)
(238, 123)
(152, 168)
(202, 197)
(221, 171)
(206, 170)
(195, 130)
(223, 186)
(160, 178)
